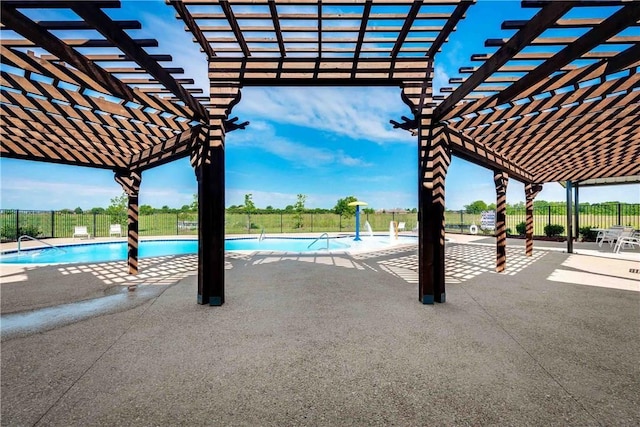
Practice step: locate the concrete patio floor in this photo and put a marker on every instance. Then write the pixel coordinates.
(326, 340)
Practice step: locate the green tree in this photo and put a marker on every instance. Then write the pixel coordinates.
(146, 210)
(369, 210)
(249, 206)
(78, 210)
(194, 203)
(476, 207)
(299, 209)
(342, 207)
(117, 210)
(97, 210)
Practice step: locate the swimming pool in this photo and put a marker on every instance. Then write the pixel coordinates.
(117, 251)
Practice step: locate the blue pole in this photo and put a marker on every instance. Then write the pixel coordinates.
(357, 223)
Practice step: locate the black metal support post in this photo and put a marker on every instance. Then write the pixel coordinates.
(576, 210)
(569, 217)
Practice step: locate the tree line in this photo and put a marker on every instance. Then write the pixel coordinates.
(555, 208)
(119, 204)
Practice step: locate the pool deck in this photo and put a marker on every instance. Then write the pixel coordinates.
(327, 339)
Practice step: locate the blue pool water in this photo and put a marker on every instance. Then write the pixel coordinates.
(117, 251)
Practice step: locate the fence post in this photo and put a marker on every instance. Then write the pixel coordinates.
(280, 222)
(576, 211)
(94, 225)
(340, 222)
(312, 222)
(569, 218)
(462, 221)
(53, 222)
(619, 215)
(549, 215)
(17, 224)
(177, 223)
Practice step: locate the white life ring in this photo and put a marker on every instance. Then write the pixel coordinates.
(473, 229)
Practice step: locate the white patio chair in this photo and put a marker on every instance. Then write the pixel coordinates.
(115, 229)
(81, 231)
(401, 226)
(627, 240)
(610, 235)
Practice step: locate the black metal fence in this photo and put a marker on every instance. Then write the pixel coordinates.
(590, 216)
(46, 224)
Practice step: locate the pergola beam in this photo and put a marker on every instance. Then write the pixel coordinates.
(192, 26)
(366, 11)
(276, 26)
(406, 27)
(26, 148)
(233, 22)
(31, 31)
(554, 107)
(536, 25)
(449, 26)
(468, 149)
(101, 22)
(172, 149)
(628, 15)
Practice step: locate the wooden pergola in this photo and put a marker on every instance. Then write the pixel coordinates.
(556, 101)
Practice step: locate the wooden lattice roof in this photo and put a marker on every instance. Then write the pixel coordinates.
(566, 110)
(556, 99)
(321, 42)
(120, 109)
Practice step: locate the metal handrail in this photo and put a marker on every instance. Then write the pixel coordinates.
(261, 238)
(322, 235)
(26, 236)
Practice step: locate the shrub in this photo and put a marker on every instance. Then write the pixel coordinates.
(521, 228)
(553, 230)
(588, 235)
(9, 231)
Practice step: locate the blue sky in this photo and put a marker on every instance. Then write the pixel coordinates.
(326, 143)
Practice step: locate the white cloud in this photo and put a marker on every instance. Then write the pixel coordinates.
(54, 195)
(263, 136)
(440, 79)
(353, 112)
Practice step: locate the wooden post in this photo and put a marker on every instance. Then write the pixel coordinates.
(434, 157)
(530, 191)
(501, 180)
(130, 182)
(210, 176)
(208, 160)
